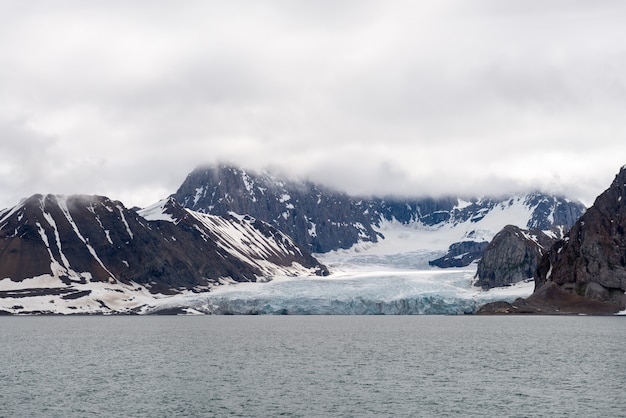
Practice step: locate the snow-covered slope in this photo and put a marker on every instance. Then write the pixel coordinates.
(253, 242)
(428, 242)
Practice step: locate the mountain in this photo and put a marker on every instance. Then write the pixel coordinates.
(322, 219)
(91, 254)
(316, 217)
(585, 272)
(512, 256)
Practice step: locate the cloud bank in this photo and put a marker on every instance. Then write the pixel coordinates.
(411, 98)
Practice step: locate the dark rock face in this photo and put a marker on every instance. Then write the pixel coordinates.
(551, 213)
(461, 254)
(322, 219)
(591, 260)
(82, 239)
(512, 256)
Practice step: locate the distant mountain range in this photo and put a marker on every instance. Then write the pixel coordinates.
(90, 254)
(322, 219)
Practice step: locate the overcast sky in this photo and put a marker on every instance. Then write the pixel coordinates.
(125, 98)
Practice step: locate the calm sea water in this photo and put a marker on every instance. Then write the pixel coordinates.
(313, 366)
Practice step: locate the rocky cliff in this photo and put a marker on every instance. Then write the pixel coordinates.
(591, 260)
(512, 256)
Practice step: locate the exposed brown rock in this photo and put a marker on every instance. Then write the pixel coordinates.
(552, 299)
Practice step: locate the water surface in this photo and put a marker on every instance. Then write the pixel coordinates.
(313, 366)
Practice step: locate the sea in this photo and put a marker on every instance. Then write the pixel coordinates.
(313, 366)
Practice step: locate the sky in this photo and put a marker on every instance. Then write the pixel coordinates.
(410, 98)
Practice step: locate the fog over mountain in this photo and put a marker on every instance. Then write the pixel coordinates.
(452, 97)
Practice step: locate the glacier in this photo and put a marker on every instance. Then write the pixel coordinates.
(390, 292)
(391, 277)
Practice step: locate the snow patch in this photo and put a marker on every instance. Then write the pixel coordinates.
(312, 230)
(93, 297)
(198, 195)
(462, 204)
(156, 212)
(130, 233)
(549, 273)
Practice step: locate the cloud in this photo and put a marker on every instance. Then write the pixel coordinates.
(451, 97)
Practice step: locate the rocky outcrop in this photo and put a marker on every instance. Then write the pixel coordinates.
(461, 254)
(512, 256)
(591, 260)
(322, 219)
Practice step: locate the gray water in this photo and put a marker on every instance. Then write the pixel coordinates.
(313, 366)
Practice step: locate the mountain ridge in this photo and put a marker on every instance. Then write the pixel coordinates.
(322, 219)
(91, 254)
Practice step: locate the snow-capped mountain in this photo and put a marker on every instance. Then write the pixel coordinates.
(90, 254)
(324, 220)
